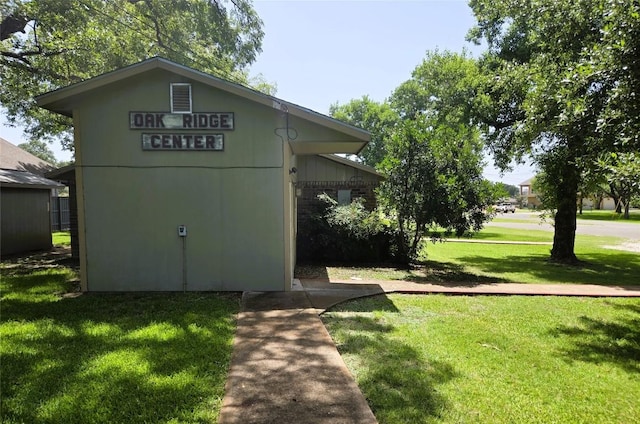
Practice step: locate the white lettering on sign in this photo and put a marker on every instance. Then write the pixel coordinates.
(165, 141)
(187, 121)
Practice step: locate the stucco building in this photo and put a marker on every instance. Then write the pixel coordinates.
(185, 181)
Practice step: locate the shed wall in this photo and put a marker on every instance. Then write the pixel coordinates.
(26, 223)
(132, 201)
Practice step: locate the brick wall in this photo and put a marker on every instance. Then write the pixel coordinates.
(308, 204)
(311, 189)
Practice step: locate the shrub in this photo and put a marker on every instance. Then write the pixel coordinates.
(345, 233)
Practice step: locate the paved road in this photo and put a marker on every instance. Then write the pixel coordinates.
(625, 230)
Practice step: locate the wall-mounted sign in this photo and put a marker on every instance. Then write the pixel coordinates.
(184, 121)
(163, 141)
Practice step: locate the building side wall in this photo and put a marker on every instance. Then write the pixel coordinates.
(317, 175)
(233, 235)
(232, 202)
(26, 222)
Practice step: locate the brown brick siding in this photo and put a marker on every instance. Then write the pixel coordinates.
(311, 189)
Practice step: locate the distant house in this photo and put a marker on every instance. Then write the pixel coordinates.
(25, 201)
(529, 197)
(604, 203)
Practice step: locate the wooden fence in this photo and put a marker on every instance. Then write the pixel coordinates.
(60, 214)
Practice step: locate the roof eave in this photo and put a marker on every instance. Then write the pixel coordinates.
(349, 162)
(58, 100)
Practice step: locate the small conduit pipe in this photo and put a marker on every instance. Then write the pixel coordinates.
(184, 264)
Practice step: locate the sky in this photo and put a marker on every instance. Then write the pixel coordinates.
(322, 52)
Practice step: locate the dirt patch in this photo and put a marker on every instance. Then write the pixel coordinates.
(58, 256)
(628, 246)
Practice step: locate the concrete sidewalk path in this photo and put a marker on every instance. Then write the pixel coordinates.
(285, 367)
(323, 287)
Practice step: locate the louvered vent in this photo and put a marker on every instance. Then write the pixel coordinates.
(180, 98)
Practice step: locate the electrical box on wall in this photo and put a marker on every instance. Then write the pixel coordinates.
(182, 230)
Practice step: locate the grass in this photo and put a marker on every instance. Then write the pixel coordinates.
(62, 238)
(472, 263)
(514, 234)
(599, 215)
(439, 359)
(116, 358)
(529, 263)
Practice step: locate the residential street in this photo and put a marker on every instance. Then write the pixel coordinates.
(626, 230)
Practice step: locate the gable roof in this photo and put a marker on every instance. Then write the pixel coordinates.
(14, 158)
(23, 179)
(527, 182)
(62, 99)
(353, 164)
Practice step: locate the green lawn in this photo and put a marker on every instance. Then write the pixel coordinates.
(110, 358)
(486, 263)
(529, 263)
(486, 359)
(634, 216)
(61, 238)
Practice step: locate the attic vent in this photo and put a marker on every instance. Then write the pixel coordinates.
(180, 98)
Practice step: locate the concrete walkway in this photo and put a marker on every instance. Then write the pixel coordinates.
(286, 369)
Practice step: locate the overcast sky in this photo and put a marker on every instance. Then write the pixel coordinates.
(322, 52)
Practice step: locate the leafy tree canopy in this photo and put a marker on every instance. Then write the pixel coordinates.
(377, 118)
(39, 149)
(562, 90)
(434, 160)
(622, 173)
(425, 142)
(434, 181)
(47, 44)
(507, 190)
(443, 85)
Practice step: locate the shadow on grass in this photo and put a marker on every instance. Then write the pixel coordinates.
(427, 272)
(398, 382)
(111, 358)
(600, 341)
(445, 272)
(58, 257)
(614, 268)
(535, 236)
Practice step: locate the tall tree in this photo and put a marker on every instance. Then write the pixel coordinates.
(47, 44)
(434, 181)
(434, 161)
(377, 118)
(443, 85)
(549, 93)
(622, 173)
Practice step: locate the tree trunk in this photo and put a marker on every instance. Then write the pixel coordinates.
(626, 210)
(616, 198)
(598, 202)
(580, 202)
(564, 236)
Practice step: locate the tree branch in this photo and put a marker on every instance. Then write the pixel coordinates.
(12, 24)
(25, 65)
